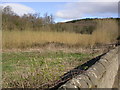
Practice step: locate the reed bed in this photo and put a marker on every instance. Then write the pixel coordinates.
(106, 32)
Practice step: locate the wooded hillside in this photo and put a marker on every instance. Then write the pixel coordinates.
(12, 21)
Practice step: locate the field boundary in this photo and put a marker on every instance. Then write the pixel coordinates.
(100, 75)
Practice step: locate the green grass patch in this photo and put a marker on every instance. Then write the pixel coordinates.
(32, 69)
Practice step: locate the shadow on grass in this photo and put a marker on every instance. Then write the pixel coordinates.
(74, 72)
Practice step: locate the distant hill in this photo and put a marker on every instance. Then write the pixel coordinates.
(84, 26)
(90, 19)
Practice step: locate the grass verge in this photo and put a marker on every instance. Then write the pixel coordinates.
(33, 69)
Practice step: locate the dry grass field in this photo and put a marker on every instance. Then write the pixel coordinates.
(105, 33)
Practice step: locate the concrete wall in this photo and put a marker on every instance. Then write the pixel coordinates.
(100, 75)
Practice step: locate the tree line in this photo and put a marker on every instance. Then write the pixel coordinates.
(11, 21)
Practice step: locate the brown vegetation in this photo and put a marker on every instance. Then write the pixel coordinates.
(106, 33)
(32, 30)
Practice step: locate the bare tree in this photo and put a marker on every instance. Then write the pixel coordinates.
(8, 10)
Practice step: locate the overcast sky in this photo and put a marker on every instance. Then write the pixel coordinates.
(65, 11)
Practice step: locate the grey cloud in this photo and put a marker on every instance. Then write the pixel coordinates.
(84, 9)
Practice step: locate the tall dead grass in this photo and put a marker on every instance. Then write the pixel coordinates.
(106, 32)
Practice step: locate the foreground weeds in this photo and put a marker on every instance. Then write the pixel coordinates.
(34, 69)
